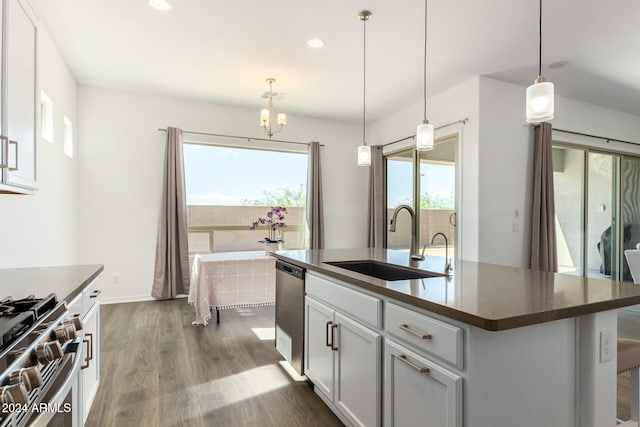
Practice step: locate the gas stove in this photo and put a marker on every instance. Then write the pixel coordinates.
(40, 351)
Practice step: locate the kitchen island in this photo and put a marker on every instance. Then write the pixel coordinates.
(486, 346)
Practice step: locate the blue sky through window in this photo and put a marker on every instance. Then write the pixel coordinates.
(224, 176)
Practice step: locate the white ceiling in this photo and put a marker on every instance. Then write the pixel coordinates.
(222, 51)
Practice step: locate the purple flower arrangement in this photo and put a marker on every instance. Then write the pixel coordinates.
(273, 221)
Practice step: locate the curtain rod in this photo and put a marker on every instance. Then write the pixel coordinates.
(461, 121)
(608, 140)
(248, 138)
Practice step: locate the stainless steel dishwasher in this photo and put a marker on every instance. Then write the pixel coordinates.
(290, 313)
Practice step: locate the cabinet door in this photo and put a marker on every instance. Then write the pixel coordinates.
(90, 372)
(418, 391)
(318, 357)
(358, 372)
(19, 121)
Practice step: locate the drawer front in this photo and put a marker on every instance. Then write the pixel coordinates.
(431, 335)
(418, 392)
(90, 296)
(358, 305)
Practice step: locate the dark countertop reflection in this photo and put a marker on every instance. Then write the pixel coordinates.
(488, 296)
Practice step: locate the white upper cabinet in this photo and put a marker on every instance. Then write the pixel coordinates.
(18, 144)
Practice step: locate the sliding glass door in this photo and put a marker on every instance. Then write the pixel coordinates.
(427, 180)
(630, 189)
(597, 211)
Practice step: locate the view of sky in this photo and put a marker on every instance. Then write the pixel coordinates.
(436, 179)
(224, 176)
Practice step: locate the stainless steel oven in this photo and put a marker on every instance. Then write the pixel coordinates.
(40, 364)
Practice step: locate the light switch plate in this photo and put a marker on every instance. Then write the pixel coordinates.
(606, 345)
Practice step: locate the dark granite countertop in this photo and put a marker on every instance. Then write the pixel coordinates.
(487, 296)
(65, 281)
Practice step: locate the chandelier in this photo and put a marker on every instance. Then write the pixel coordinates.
(266, 114)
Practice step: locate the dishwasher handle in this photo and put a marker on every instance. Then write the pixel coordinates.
(290, 269)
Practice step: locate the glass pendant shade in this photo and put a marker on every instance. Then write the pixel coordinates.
(364, 155)
(540, 102)
(265, 117)
(424, 137)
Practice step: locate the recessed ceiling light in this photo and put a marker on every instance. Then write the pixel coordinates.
(315, 43)
(160, 4)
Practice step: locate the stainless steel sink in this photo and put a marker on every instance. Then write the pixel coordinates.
(382, 270)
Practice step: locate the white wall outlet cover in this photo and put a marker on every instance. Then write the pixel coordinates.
(606, 345)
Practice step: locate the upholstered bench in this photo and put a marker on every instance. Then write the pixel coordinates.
(629, 360)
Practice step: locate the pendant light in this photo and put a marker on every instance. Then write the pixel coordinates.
(424, 132)
(540, 93)
(364, 151)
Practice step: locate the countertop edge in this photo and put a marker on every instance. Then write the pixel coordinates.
(78, 290)
(493, 325)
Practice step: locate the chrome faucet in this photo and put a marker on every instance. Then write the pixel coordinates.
(415, 257)
(447, 261)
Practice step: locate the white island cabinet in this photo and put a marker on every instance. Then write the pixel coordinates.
(342, 355)
(18, 148)
(438, 372)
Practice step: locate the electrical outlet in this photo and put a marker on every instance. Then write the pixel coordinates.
(606, 345)
(116, 278)
(515, 227)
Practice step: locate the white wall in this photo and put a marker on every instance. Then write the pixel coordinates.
(42, 229)
(506, 159)
(121, 155)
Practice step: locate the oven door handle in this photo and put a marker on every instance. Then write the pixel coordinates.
(43, 418)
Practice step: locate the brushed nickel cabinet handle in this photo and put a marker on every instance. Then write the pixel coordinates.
(86, 359)
(95, 294)
(333, 336)
(406, 328)
(9, 167)
(4, 150)
(326, 334)
(422, 370)
(90, 345)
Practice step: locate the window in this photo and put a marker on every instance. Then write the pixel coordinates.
(430, 178)
(230, 187)
(46, 117)
(68, 137)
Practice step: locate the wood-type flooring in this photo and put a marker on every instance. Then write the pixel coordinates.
(157, 369)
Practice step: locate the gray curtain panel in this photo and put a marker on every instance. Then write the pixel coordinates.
(376, 214)
(543, 227)
(315, 217)
(171, 274)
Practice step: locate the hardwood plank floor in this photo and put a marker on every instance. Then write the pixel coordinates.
(157, 369)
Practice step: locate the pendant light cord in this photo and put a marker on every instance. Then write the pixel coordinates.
(425, 62)
(540, 42)
(364, 80)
